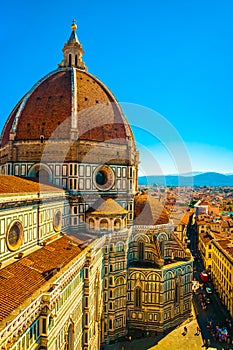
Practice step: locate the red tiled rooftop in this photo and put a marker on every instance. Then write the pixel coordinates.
(14, 184)
(205, 238)
(49, 105)
(107, 206)
(226, 245)
(24, 277)
(149, 211)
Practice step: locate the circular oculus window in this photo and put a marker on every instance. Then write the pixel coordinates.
(103, 178)
(14, 236)
(57, 221)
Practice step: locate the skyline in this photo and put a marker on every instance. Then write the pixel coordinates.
(172, 59)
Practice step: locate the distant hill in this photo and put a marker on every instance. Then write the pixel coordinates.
(201, 179)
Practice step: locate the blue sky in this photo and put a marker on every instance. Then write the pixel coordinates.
(172, 57)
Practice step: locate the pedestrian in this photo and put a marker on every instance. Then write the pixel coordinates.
(185, 329)
(198, 330)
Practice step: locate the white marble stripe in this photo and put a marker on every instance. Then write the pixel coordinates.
(74, 123)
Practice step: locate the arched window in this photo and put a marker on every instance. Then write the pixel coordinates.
(91, 224)
(120, 247)
(161, 247)
(138, 297)
(104, 225)
(86, 319)
(76, 60)
(177, 292)
(70, 60)
(141, 250)
(117, 224)
(110, 324)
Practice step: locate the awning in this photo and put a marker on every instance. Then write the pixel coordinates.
(204, 276)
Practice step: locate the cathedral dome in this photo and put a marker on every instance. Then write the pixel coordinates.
(149, 211)
(68, 103)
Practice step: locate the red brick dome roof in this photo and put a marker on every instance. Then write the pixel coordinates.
(149, 211)
(66, 100)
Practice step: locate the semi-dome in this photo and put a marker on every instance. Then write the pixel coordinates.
(106, 206)
(68, 103)
(149, 211)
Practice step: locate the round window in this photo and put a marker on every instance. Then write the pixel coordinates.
(14, 236)
(103, 178)
(57, 221)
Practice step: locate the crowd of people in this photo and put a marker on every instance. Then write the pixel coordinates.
(203, 300)
(220, 333)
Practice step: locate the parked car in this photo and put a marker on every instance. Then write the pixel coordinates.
(208, 290)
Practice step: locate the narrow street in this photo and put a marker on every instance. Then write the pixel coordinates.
(211, 314)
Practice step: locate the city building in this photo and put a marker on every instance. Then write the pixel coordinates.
(201, 207)
(205, 249)
(222, 267)
(85, 257)
(215, 237)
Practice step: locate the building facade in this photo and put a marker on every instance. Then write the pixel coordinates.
(85, 258)
(222, 267)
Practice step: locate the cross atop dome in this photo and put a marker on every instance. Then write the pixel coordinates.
(73, 51)
(73, 35)
(74, 25)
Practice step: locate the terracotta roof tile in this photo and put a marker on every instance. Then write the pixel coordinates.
(48, 107)
(205, 238)
(106, 207)
(14, 184)
(24, 277)
(149, 211)
(226, 245)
